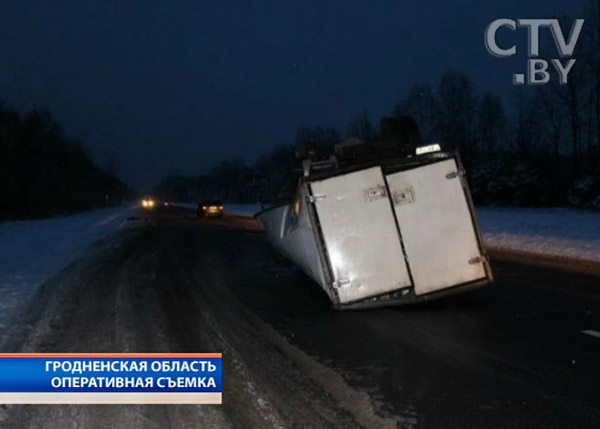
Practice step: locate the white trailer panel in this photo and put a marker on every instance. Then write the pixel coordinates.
(360, 235)
(438, 231)
(400, 232)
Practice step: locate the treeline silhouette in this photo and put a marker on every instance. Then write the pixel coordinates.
(272, 178)
(535, 146)
(524, 158)
(43, 173)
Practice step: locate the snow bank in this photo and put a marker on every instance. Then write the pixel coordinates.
(34, 250)
(561, 232)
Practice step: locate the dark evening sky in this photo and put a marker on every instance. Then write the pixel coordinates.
(176, 87)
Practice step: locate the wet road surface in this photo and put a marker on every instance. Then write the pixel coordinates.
(510, 355)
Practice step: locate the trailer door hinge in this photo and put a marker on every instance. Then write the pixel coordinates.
(455, 174)
(340, 283)
(477, 260)
(315, 198)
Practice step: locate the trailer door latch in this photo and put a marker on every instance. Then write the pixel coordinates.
(375, 193)
(455, 174)
(403, 196)
(315, 198)
(340, 283)
(477, 260)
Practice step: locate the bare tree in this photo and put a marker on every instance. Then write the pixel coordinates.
(491, 122)
(422, 104)
(360, 126)
(528, 119)
(591, 57)
(457, 111)
(554, 117)
(571, 96)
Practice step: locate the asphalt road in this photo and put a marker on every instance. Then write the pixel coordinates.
(509, 355)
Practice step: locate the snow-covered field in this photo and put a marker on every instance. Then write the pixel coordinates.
(561, 232)
(33, 250)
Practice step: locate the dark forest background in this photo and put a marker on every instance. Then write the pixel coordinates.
(43, 173)
(537, 146)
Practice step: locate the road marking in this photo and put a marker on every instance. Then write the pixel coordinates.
(592, 333)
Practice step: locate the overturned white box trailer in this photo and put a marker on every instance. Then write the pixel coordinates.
(391, 232)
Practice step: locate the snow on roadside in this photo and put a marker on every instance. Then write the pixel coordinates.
(562, 232)
(33, 250)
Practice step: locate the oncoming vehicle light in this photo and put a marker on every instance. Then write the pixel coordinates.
(148, 203)
(434, 147)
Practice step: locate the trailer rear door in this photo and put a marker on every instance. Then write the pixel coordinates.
(437, 227)
(360, 234)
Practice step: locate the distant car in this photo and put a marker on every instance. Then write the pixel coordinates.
(211, 208)
(148, 203)
(168, 204)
